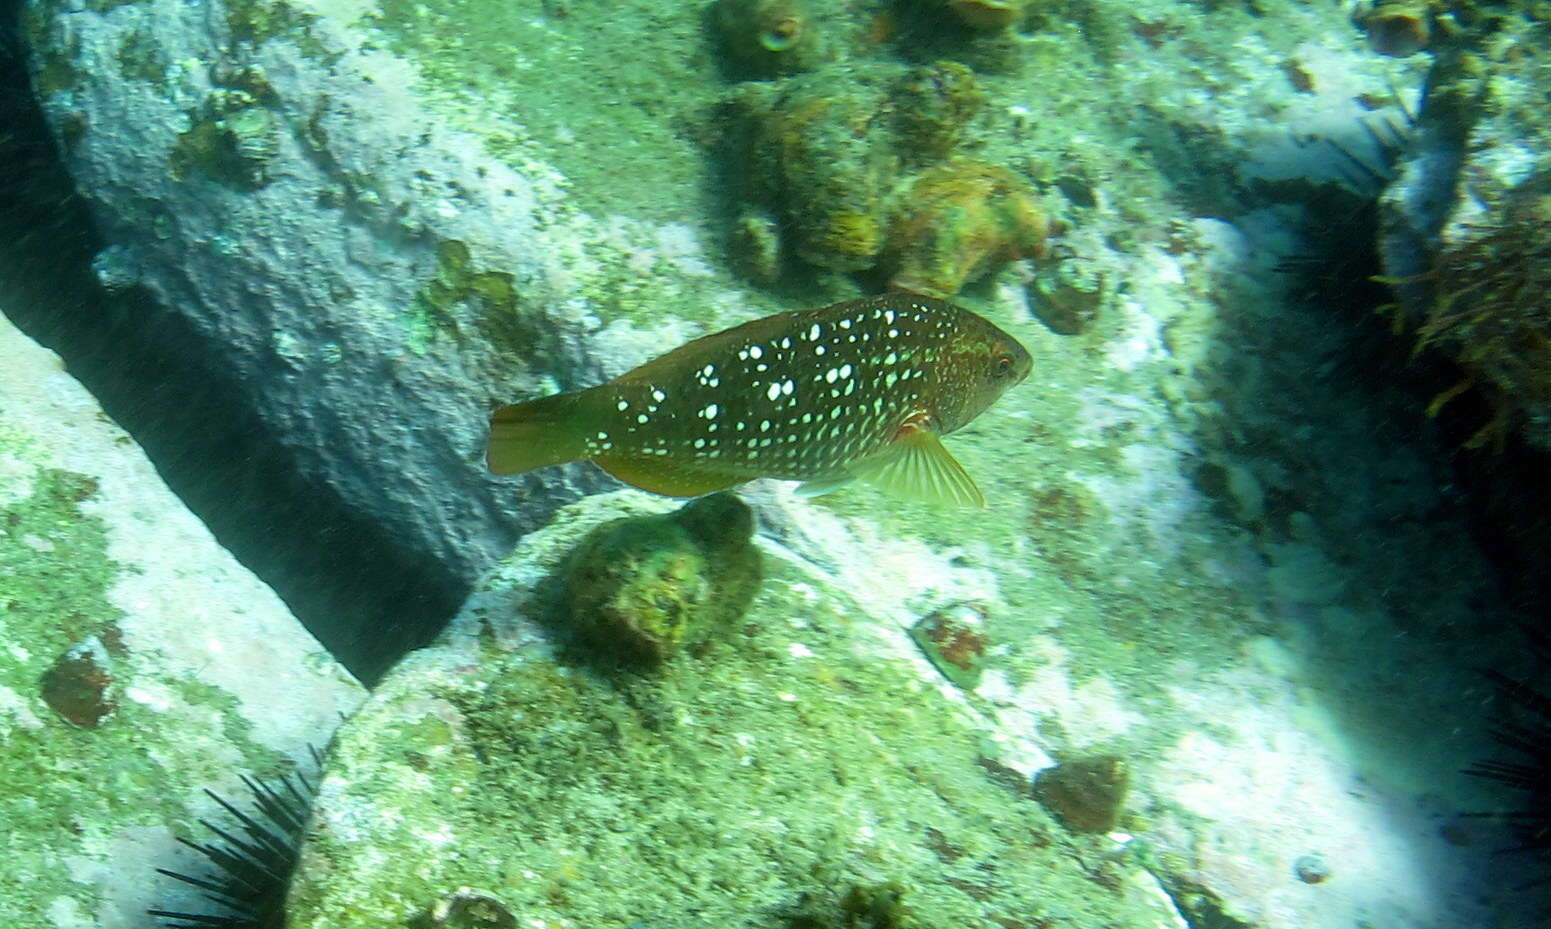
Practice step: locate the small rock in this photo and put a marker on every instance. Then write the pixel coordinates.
(1312, 869)
(1086, 795)
(954, 640)
(76, 686)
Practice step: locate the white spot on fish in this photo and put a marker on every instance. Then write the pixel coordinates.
(787, 386)
(814, 332)
(642, 418)
(774, 391)
(710, 411)
(845, 370)
(623, 405)
(890, 358)
(658, 395)
(764, 425)
(832, 375)
(756, 352)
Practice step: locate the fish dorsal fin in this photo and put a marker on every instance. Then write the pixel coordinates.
(916, 466)
(660, 476)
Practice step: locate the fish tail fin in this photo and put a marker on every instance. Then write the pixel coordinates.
(537, 433)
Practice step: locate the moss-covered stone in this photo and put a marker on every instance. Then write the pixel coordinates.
(646, 587)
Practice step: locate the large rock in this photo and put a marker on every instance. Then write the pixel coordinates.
(794, 765)
(141, 664)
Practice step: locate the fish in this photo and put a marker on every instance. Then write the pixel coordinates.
(859, 390)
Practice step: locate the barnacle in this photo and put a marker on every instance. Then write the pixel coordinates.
(769, 37)
(957, 222)
(642, 589)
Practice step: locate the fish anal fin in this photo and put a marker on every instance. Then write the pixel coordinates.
(823, 485)
(917, 467)
(669, 478)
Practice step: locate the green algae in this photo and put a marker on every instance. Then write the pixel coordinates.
(489, 296)
(141, 58)
(258, 21)
(605, 129)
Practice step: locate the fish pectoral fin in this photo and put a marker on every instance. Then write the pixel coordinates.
(916, 466)
(823, 485)
(669, 478)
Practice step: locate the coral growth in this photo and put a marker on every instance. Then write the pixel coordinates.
(831, 153)
(816, 152)
(960, 220)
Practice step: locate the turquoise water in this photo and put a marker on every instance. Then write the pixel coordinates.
(1268, 502)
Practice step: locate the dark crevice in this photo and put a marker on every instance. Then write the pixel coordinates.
(364, 595)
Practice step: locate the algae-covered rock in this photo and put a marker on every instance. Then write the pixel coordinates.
(645, 587)
(141, 664)
(795, 771)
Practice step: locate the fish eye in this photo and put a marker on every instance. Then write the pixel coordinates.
(1002, 366)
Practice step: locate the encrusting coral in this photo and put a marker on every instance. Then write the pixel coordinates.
(957, 221)
(831, 154)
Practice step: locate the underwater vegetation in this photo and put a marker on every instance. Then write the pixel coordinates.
(644, 588)
(863, 389)
(254, 865)
(1489, 310)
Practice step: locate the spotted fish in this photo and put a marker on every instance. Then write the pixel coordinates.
(857, 390)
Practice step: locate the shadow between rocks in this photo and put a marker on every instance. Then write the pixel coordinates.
(367, 598)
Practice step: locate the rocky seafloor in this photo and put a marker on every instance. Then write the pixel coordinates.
(1210, 658)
